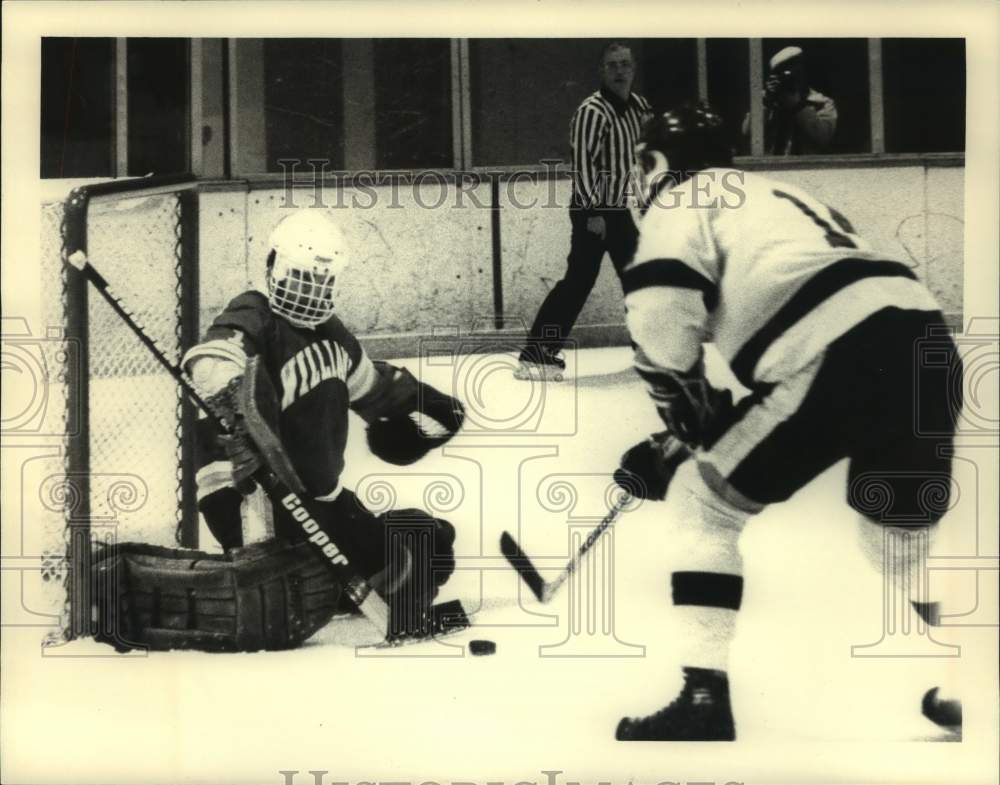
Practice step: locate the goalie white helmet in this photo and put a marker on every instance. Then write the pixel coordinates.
(308, 251)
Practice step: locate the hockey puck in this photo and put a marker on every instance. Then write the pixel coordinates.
(481, 648)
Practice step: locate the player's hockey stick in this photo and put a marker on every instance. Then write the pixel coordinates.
(545, 590)
(355, 586)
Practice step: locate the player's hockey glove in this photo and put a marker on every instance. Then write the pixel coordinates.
(406, 418)
(691, 408)
(647, 468)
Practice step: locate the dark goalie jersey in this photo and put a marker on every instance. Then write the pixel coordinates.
(317, 373)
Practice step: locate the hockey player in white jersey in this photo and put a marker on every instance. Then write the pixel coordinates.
(822, 330)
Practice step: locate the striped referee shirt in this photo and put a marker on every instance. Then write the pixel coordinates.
(603, 135)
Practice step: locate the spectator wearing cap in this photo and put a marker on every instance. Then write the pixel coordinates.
(797, 119)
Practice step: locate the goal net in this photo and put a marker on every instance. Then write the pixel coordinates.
(124, 470)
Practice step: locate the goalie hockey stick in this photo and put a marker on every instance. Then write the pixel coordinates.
(545, 590)
(361, 593)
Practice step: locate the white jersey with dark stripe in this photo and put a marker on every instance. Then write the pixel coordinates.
(603, 135)
(764, 270)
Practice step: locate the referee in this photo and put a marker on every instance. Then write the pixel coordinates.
(603, 135)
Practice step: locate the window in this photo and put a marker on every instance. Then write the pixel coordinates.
(669, 70)
(303, 101)
(413, 125)
(77, 112)
(158, 83)
(111, 107)
(924, 94)
(288, 104)
(413, 103)
(838, 69)
(86, 131)
(352, 103)
(525, 91)
(728, 66)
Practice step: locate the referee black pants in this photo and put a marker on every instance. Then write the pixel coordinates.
(562, 305)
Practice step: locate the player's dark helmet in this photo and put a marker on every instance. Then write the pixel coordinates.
(674, 145)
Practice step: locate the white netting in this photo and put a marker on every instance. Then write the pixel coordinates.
(43, 486)
(134, 413)
(134, 416)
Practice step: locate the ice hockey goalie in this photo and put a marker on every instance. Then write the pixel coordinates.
(268, 589)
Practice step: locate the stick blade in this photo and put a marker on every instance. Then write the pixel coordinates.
(371, 605)
(519, 561)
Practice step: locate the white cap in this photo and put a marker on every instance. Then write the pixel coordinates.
(786, 54)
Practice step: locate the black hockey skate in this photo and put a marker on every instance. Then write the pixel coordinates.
(540, 362)
(701, 712)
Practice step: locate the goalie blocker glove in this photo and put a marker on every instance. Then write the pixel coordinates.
(647, 468)
(407, 418)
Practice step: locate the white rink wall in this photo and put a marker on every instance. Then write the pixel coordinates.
(424, 255)
(425, 269)
(911, 213)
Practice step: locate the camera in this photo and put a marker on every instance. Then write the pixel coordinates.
(786, 79)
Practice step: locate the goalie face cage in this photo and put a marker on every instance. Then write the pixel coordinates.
(127, 455)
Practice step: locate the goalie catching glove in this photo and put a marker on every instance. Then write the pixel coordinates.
(647, 468)
(407, 418)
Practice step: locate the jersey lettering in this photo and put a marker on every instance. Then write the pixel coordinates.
(315, 377)
(325, 363)
(311, 365)
(303, 378)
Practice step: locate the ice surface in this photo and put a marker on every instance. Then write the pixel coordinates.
(539, 474)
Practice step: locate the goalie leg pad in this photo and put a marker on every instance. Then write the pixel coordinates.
(270, 595)
(426, 546)
(431, 542)
(406, 554)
